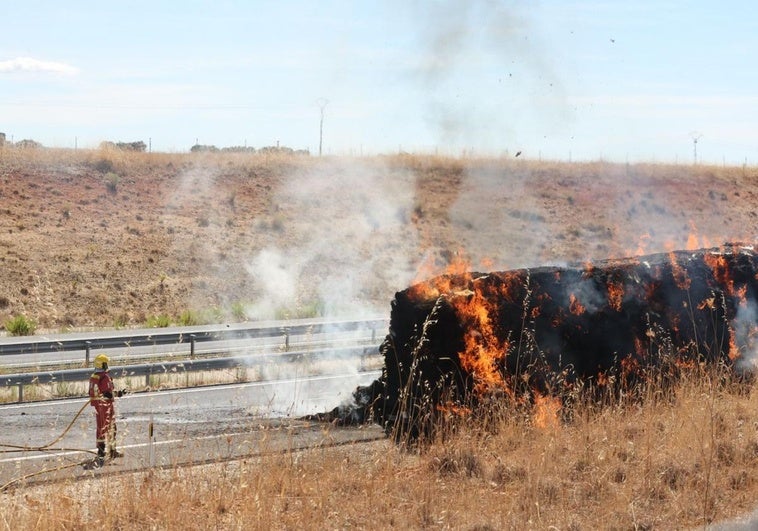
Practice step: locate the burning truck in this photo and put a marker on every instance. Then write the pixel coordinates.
(459, 340)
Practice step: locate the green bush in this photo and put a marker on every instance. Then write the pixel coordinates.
(111, 182)
(20, 326)
(158, 321)
(238, 311)
(189, 318)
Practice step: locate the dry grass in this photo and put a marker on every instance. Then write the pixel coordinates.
(677, 462)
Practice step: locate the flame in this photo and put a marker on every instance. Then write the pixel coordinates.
(734, 351)
(720, 267)
(575, 307)
(683, 364)
(546, 409)
(453, 409)
(442, 283)
(707, 303)
(642, 245)
(629, 365)
(741, 294)
(681, 278)
(694, 241)
(615, 294)
(483, 351)
(639, 348)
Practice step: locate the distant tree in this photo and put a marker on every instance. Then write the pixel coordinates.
(28, 144)
(132, 146)
(238, 149)
(203, 148)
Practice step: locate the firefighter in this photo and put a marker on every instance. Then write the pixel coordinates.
(101, 395)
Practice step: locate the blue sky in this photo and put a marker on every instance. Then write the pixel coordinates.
(621, 81)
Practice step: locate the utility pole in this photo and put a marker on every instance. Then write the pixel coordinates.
(322, 103)
(695, 137)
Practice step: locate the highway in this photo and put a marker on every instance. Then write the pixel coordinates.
(189, 425)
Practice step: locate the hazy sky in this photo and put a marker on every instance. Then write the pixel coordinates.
(617, 80)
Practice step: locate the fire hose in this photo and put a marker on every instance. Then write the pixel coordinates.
(13, 448)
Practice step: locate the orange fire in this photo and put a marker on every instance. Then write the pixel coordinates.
(575, 307)
(642, 244)
(615, 294)
(483, 351)
(720, 268)
(546, 410)
(695, 241)
(734, 351)
(681, 278)
(453, 409)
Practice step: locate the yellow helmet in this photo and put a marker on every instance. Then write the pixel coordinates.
(101, 362)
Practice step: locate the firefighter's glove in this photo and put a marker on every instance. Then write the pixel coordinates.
(121, 392)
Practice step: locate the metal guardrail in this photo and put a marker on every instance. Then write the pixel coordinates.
(186, 335)
(147, 370)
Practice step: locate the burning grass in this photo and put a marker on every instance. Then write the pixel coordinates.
(686, 459)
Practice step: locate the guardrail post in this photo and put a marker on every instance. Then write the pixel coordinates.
(88, 345)
(150, 441)
(20, 392)
(192, 346)
(286, 339)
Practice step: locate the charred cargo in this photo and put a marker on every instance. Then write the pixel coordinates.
(456, 340)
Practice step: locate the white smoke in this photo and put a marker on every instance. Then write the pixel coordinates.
(492, 41)
(339, 244)
(347, 241)
(746, 332)
(279, 274)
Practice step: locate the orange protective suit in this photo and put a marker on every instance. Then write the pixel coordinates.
(101, 398)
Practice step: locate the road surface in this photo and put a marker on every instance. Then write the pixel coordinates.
(189, 425)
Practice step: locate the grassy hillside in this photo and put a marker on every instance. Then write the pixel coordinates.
(111, 238)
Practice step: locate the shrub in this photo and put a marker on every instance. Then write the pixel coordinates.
(111, 182)
(158, 321)
(104, 166)
(238, 311)
(20, 326)
(189, 318)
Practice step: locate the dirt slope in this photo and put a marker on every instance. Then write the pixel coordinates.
(101, 239)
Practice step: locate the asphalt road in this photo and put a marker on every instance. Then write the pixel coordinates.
(188, 425)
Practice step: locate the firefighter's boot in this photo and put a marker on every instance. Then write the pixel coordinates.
(100, 459)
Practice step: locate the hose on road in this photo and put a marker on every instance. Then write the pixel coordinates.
(15, 448)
